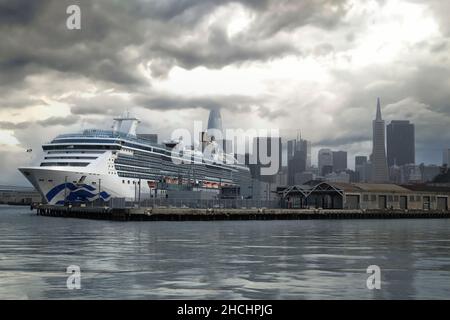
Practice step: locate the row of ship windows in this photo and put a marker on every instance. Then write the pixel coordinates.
(119, 167)
(123, 143)
(137, 163)
(101, 147)
(64, 164)
(156, 177)
(137, 176)
(183, 172)
(84, 141)
(74, 181)
(69, 157)
(164, 154)
(132, 182)
(79, 151)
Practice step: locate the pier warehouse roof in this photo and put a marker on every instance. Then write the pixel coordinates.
(335, 195)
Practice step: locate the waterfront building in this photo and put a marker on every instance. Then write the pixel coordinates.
(400, 143)
(337, 195)
(19, 195)
(379, 162)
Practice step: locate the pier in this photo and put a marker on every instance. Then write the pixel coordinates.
(211, 214)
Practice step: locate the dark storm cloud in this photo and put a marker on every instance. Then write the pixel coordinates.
(16, 100)
(344, 140)
(19, 11)
(168, 102)
(288, 15)
(101, 104)
(58, 121)
(111, 104)
(43, 42)
(125, 47)
(187, 12)
(218, 50)
(35, 38)
(52, 121)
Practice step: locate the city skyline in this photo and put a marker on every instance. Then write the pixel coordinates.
(309, 65)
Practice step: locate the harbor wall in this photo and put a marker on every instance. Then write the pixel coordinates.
(192, 214)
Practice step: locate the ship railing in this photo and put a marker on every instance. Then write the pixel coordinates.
(93, 133)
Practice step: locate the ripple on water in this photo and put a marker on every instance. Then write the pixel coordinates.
(315, 259)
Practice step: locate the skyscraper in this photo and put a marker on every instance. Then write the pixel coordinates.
(339, 161)
(325, 161)
(400, 143)
(360, 161)
(360, 168)
(298, 158)
(215, 120)
(262, 146)
(379, 163)
(215, 131)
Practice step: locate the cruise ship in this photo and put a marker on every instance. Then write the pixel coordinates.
(102, 164)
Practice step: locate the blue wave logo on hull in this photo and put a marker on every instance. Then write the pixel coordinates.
(78, 193)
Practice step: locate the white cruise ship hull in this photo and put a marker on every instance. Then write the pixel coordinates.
(57, 185)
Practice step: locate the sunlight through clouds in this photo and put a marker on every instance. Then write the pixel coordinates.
(313, 65)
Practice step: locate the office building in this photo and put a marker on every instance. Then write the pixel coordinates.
(339, 161)
(325, 158)
(298, 158)
(360, 166)
(400, 143)
(262, 147)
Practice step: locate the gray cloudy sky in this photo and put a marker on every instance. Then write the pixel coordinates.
(313, 65)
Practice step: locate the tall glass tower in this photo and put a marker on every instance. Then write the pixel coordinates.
(400, 143)
(215, 120)
(379, 162)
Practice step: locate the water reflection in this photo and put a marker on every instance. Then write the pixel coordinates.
(226, 260)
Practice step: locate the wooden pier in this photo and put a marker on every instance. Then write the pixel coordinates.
(192, 214)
